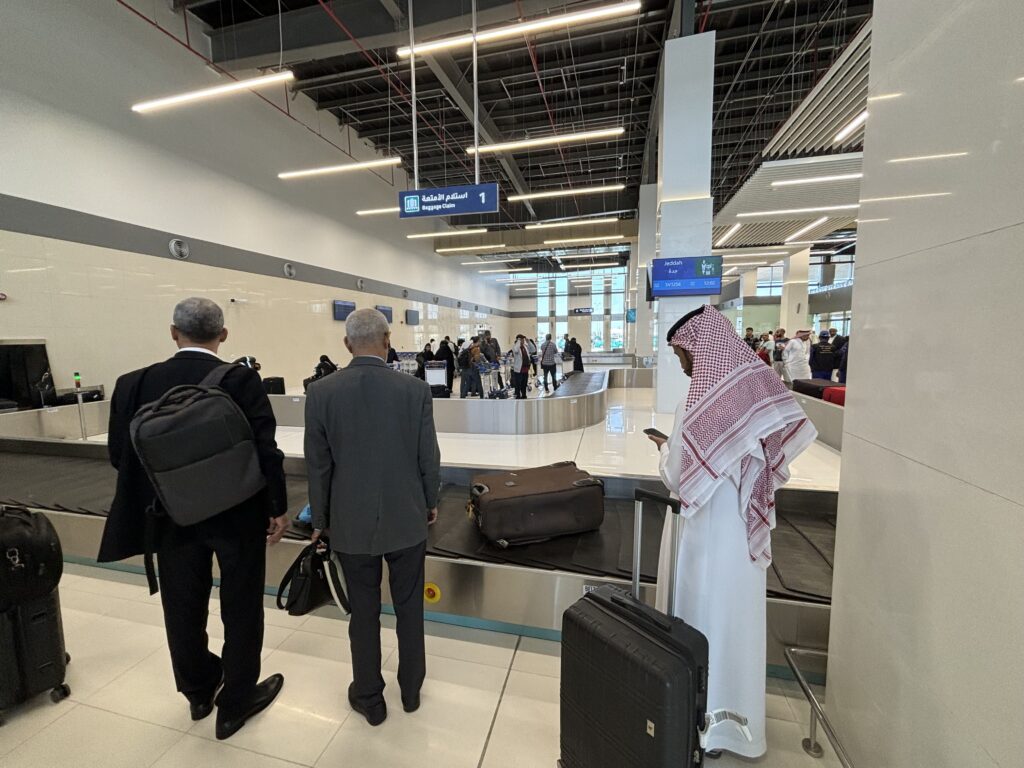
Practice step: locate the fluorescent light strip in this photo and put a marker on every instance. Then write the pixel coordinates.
(578, 256)
(732, 231)
(522, 28)
(544, 141)
(376, 211)
(819, 209)
(571, 223)
(489, 261)
(752, 255)
(808, 228)
(851, 126)
(818, 179)
(339, 168)
(455, 233)
(884, 96)
(729, 271)
(568, 192)
(594, 266)
(928, 157)
(583, 239)
(209, 93)
(905, 197)
(825, 240)
(868, 221)
(505, 271)
(469, 248)
(747, 264)
(823, 253)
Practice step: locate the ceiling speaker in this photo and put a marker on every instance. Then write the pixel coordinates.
(178, 248)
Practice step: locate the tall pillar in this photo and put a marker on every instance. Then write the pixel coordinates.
(748, 283)
(925, 662)
(647, 234)
(793, 314)
(684, 187)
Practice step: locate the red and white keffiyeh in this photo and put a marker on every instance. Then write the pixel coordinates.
(741, 422)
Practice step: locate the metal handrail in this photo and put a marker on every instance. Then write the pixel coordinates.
(810, 744)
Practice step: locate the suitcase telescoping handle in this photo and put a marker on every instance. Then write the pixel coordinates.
(639, 497)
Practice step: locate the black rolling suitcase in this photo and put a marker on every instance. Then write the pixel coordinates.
(32, 655)
(634, 681)
(813, 387)
(273, 385)
(440, 391)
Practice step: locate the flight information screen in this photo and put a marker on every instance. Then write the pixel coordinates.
(700, 276)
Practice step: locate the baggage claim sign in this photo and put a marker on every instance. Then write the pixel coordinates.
(448, 201)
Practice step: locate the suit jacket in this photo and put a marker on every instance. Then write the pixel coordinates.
(124, 529)
(371, 457)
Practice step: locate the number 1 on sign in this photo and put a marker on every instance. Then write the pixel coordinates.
(483, 198)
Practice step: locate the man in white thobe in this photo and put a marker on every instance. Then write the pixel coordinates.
(736, 423)
(796, 356)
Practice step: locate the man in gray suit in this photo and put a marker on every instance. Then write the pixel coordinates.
(374, 465)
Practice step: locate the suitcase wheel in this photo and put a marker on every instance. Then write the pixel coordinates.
(60, 693)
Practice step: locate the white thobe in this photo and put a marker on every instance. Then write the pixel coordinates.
(795, 358)
(721, 592)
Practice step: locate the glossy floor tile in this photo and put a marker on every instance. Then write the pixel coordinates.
(490, 700)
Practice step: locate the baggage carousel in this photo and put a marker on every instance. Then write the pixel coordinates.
(522, 589)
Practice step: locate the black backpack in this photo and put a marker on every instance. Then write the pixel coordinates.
(464, 358)
(31, 559)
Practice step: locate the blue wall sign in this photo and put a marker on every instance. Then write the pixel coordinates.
(700, 276)
(448, 201)
(631, 315)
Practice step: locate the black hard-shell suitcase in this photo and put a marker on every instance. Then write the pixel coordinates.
(634, 681)
(530, 505)
(813, 387)
(33, 658)
(440, 391)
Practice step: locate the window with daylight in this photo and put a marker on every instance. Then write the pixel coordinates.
(543, 329)
(597, 335)
(561, 297)
(597, 295)
(769, 281)
(617, 335)
(561, 328)
(543, 299)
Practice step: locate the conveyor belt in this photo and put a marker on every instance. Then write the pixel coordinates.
(802, 543)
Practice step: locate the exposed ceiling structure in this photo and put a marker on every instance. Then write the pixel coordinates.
(770, 54)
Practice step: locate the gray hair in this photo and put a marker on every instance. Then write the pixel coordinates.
(366, 327)
(198, 319)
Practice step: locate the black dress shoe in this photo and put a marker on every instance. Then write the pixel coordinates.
(411, 704)
(375, 715)
(266, 692)
(202, 708)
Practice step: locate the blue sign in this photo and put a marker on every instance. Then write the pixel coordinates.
(700, 276)
(448, 201)
(631, 315)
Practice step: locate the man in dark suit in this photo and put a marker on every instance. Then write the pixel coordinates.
(373, 465)
(237, 537)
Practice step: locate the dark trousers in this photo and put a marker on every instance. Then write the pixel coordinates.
(519, 382)
(827, 375)
(186, 577)
(550, 370)
(362, 577)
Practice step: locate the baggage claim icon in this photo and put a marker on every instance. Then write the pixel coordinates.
(431, 592)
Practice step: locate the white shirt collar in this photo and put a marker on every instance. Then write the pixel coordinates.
(199, 349)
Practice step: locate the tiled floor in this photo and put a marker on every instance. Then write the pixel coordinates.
(617, 446)
(490, 700)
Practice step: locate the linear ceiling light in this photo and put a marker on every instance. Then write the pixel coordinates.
(825, 240)
(209, 93)
(543, 141)
(905, 197)
(867, 221)
(594, 266)
(747, 264)
(732, 231)
(339, 168)
(505, 271)
(817, 209)
(818, 179)
(522, 28)
(885, 96)
(489, 261)
(577, 256)
(851, 126)
(730, 271)
(469, 248)
(808, 228)
(928, 157)
(454, 233)
(583, 239)
(571, 223)
(376, 211)
(752, 255)
(568, 192)
(823, 253)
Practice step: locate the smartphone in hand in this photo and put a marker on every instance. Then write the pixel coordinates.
(652, 432)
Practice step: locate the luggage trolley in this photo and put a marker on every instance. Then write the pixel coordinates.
(568, 363)
(436, 374)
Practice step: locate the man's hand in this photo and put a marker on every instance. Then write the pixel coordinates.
(315, 537)
(276, 529)
(432, 516)
(658, 441)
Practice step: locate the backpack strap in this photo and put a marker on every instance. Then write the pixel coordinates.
(216, 377)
